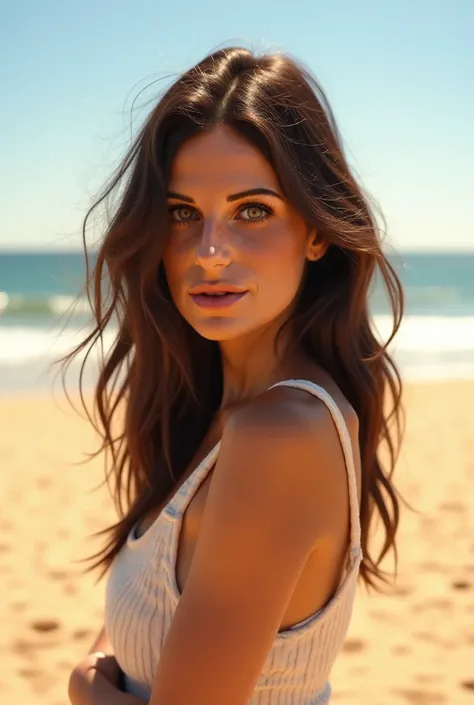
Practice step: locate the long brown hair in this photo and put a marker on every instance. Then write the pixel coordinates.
(151, 395)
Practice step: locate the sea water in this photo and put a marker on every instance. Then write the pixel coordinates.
(41, 317)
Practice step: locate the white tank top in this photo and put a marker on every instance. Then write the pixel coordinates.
(142, 595)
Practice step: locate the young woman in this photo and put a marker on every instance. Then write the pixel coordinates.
(244, 401)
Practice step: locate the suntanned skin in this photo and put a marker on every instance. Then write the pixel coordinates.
(264, 540)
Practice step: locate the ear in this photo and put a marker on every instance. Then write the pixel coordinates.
(315, 246)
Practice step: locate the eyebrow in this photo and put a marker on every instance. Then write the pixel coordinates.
(232, 196)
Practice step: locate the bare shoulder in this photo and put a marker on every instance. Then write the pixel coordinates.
(286, 449)
(294, 409)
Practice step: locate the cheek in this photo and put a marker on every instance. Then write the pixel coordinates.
(174, 263)
(278, 271)
(280, 253)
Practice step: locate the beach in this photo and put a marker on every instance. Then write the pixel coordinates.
(413, 645)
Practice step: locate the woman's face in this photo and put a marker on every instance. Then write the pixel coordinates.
(232, 231)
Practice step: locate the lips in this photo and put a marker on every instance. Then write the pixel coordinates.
(217, 288)
(217, 296)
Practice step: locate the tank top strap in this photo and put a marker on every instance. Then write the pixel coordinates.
(344, 436)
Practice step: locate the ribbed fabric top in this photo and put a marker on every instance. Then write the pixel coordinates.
(142, 596)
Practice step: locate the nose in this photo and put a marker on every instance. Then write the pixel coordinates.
(212, 250)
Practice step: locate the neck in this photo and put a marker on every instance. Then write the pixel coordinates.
(253, 363)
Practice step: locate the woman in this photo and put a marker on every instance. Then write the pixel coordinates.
(253, 391)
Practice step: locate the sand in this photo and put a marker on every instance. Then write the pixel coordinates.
(414, 646)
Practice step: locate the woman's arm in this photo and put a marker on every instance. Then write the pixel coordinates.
(278, 491)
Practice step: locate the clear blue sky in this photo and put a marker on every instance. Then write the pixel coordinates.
(399, 76)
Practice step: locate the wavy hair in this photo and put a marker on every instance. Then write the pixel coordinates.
(150, 393)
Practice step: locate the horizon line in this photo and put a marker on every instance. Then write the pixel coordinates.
(391, 249)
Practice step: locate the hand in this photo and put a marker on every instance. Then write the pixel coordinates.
(107, 665)
(95, 680)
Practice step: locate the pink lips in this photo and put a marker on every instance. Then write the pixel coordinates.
(213, 301)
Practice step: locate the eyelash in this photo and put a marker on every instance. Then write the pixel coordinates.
(251, 222)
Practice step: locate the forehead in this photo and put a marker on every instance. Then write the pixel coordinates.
(220, 158)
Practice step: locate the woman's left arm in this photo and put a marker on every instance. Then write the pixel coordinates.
(275, 495)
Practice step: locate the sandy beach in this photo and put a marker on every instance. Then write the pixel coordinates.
(414, 646)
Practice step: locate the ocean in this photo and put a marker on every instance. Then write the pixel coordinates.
(37, 289)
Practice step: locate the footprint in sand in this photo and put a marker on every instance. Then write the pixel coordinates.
(461, 585)
(440, 604)
(432, 567)
(58, 574)
(45, 625)
(19, 606)
(420, 697)
(80, 634)
(428, 523)
(29, 649)
(359, 671)
(424, 636)
(435, 604)
(65, 665)
(43, 483)
(380, 616)
(427, 678)
(23, 647)
(400, 650)
(353, 646)
(402, 590)
(29, 673)
(455, 507)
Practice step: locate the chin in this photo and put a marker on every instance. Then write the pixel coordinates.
(221, 329)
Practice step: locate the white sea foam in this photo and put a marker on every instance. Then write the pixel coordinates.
(429, 333)
(21, 344)
(424, 347)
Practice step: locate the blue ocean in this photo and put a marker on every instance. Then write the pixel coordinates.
(37, 325)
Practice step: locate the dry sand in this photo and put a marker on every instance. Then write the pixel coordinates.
(415, 646)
